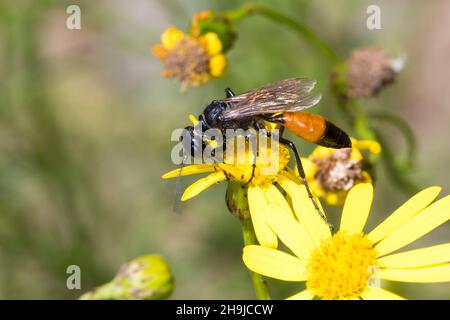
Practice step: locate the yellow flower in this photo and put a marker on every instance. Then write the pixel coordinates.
(191, 59)
(259, 180)
(332, 172)
(350, 263)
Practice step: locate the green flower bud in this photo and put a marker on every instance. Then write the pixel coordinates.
(144, 278)
(339, 79)
(217, 22)
(236, 199)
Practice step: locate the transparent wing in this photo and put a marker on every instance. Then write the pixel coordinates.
(288, 95)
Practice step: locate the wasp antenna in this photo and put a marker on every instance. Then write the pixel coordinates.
(178, 189)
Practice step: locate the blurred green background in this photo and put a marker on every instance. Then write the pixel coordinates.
(85, 124)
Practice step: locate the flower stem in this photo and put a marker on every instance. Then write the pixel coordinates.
(260, 285)
(408, 161)
(301, 29)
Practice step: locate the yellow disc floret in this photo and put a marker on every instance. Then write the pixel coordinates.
(259, 170)
(341, 267)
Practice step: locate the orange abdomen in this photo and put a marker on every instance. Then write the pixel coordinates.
(310, 127)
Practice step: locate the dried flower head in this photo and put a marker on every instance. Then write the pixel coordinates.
(338, 171)
(368, 71)
(331, 173)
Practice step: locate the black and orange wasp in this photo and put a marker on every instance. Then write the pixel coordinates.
(282, 103)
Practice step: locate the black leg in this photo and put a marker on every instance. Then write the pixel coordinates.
(301, 172)
(229, 93)
(253, 174)
(281, 131)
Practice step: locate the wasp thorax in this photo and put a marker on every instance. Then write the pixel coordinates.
(212, 113)
(338, 171)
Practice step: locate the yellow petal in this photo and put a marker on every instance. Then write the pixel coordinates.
(425, 221)
(356, 155)
(373, 146)
(292, 234)
(193, 119)
(417, 258)
(408, 210)
(258, 206)
(356, 208)
(273, 263)
(213, 43)
(217, 65)
(321, 152)
(273, 195)
(439, 273)
(373, 293)
(304, 209)
(203, 184)
(171, 37)
(188, 170)
(159, 51)
(334, 198)
(303, 295)
(231, 170)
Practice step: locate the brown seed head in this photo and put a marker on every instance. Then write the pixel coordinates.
(338, 172)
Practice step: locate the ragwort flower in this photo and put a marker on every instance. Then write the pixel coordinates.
(193, 60)
(331, 173)
(349, 263)
(258, 174)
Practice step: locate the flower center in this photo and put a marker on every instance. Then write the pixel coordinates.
(188, 61)
(260, 169)
(338, 172)
(341, 267)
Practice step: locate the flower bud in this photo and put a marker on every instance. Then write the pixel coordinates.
(144, 278)
(236, 199)
(205, 22)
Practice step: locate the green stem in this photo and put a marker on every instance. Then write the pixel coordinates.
(359, 121)
(395, 171)
(407, 132)
(260, 285)
(301, 29)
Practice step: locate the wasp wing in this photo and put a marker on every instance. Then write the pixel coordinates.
(289, 95)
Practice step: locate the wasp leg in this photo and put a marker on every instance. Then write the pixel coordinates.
(253, 174)
(301, 172)
(281, 131)
(247, 139)
(229, 93)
